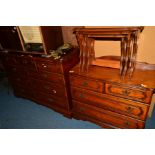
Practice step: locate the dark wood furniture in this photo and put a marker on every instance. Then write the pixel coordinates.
(105, 95)
(42, 80)
(32, 73)
(100, 96)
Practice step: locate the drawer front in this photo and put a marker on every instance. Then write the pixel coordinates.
(87, 83)
(111, 118)
(46, 76)
(10, 60)
(50, 67)
(25, 60)
(14, 70)
(130, 93)
(19, 80)
(51, 88)
(115, 104)
(52, 100)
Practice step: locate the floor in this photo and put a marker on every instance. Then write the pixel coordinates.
(18, 113)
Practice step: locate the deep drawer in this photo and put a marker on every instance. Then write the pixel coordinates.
(104, 116)
(50, 88)
(85, 83)
(19, 80)
(47, 76)
(52, 100)
(115, 104)
(15, 70)
(142, 95)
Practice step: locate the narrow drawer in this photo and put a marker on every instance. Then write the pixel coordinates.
(19, 80)
(108, 102)
(14, 70)
(10, 60)
(48, 66)
(86, 83)
(52, 100)
(25, 60)
(142, 95)
(104, 116)
(57, 78)
(51, 88)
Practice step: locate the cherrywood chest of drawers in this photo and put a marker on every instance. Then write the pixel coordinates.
(100, 96)
(42, 80)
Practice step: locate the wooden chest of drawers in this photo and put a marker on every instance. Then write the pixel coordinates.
(100, 96)
(42, 80)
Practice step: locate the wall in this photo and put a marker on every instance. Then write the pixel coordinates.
(146, 50)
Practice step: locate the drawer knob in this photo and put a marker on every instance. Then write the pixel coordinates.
(54, 91)
(126, 92)
(129, 109)
(85, 83)
(44, 65)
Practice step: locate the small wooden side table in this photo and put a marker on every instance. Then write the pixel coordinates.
(127, 36)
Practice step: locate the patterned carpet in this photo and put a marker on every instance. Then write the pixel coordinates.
(18, 113)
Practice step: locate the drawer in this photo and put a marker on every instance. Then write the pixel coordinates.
(51, 88)
(86, 83)
(108, 102)
(46, 76)
(48, 66)
(52, 100)
(104, 116)
(9, 60)
(25, 60)
(19, 80)
(14, 70)
(142, 95)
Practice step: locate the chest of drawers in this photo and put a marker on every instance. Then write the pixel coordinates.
(42, 80)
(100, 96)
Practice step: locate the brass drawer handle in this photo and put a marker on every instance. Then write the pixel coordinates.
(85, 83)
(129, 109)
(125, 92)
